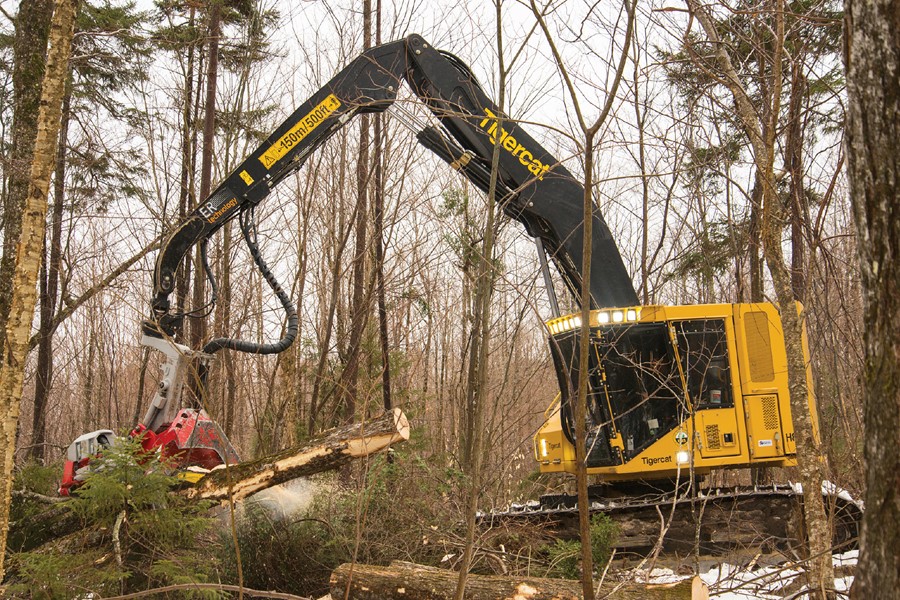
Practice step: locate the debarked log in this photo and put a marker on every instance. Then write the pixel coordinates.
(330, 450)
(417, 582)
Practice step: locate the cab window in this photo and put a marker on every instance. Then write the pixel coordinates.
(703, 350)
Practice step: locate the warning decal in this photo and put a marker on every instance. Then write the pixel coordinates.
(298, 132)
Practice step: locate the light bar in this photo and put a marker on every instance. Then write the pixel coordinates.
(564, 324)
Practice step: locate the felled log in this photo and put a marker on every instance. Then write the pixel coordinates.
(27, 533)
(330, 450)
(417, 582)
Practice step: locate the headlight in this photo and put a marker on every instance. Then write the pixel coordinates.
(682, 457)
(618, 316)
(631, 315)
(544, 451)
(603, 318)
(564, 324)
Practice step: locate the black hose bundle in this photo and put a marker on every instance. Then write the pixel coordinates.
(248, 228)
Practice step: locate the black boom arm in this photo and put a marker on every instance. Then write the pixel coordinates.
(536, 189)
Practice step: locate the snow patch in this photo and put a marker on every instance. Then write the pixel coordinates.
(830, 489)
(727, 581)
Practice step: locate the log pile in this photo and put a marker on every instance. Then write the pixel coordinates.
(408, 581)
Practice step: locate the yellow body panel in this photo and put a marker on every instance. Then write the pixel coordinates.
(756, 430)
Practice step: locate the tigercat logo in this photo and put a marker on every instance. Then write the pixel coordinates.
(509, 143)
(656, 460)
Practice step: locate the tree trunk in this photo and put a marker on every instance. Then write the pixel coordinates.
(49, 286)
(28, 254)
(29, 53)
(378, 234)
(872, 59)
(476, 392)
(756, 276)
(198, 325)
(759, 124)
(640, 116)
(328, 451)
(408, 581)
(584, 345)
(186, 187)
(359, 310)
(327, 326)
(794, 160)
(228, 364)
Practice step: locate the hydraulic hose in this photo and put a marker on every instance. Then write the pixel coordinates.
(248, 229)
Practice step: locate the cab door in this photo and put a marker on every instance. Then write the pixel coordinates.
(703, 355)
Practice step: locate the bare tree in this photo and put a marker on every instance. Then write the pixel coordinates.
(479, 338)
(759, 120)
(198, 326)
(360, 305)
(587, 150)
(28, 256)
(872, 60)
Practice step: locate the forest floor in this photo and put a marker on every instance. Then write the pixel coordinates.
(767, 577)
(741, 575)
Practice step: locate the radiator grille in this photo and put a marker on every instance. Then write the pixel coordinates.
(770, 412)
(712, 437)
(759, 346)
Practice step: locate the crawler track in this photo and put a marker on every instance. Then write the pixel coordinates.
(765, 518)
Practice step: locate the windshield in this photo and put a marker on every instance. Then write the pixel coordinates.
(643, 383)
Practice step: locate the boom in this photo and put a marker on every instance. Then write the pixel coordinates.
(535, 188)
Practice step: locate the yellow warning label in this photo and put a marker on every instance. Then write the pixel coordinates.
(246, 177)
(298, 132)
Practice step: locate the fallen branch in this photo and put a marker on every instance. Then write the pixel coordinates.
(73, 304)
(196, 587)
(25, 494)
